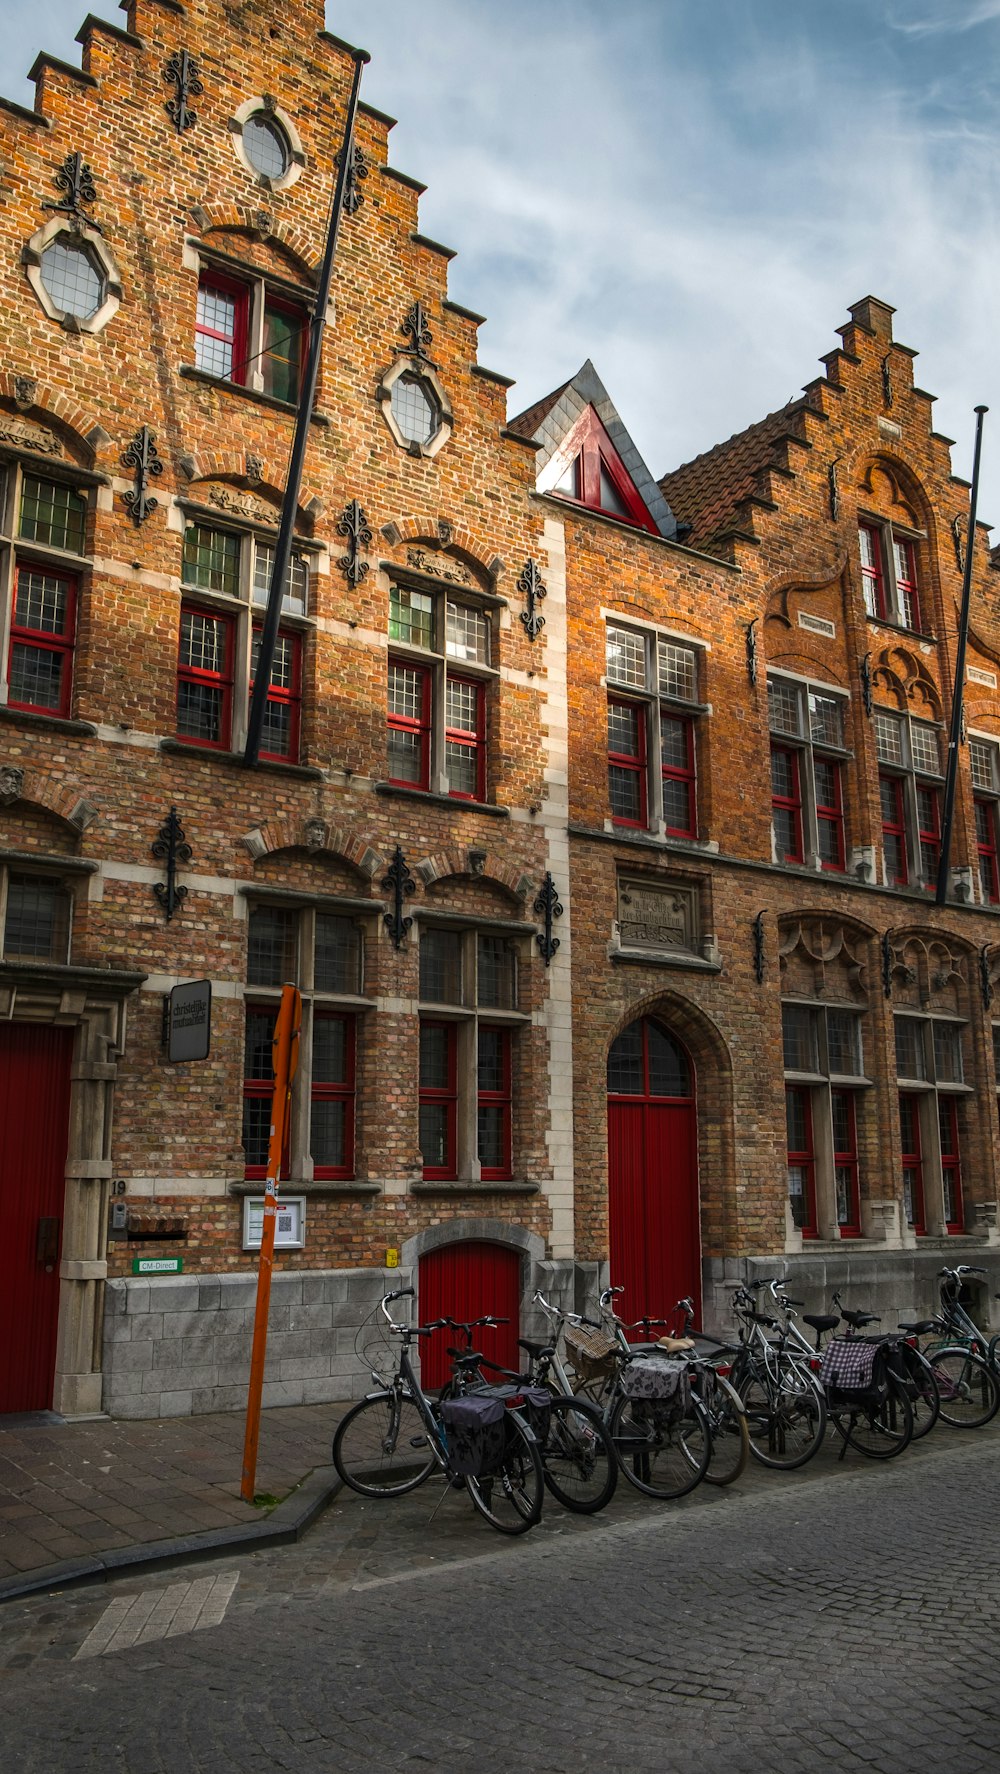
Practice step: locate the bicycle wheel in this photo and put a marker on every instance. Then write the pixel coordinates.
(578, 1458)
(730, 1435)
(883, 1430)
(661, 1451)
(382, 1448)
(924, 1394)
(510, 1499)
(785, 1416)
(969, 1392)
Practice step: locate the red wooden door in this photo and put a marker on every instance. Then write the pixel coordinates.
(34, 1122)
(463, 1281)
(653, 1208)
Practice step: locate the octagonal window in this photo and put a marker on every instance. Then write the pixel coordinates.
(414, 409)
(72, 278)
(266, 147)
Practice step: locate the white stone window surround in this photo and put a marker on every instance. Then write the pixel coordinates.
(80, 234)
(14, 548)
(413, 366)
(267, 107)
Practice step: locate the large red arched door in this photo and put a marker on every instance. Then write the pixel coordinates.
(34, 1118)
(653, 1210)
(463, 1281)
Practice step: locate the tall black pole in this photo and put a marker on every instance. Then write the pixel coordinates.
(286, 531)
(955, 734)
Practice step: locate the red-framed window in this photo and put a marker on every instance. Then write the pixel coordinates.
(438, 1100)
(281, 359)
(829, 812)
(677, 763)
(627, 787)
(845, 1163)
(494, 1101)
(40, 658)
(258, 1089)
(409, 724)
(465, 738)
(986, 845)
(872, 570)
(332, 1094)
(801, 1159)
(951, 1163)
(786, 803)
(929, 832)
(913, 1163)
(220, 333)
(890, 790)
(205, 678)
(283, 708)
(595, 474)
(906, 583)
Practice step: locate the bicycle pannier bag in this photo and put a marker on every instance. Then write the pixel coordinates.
(852, 1365)
(532, 1402)
(477, 1434)
(591, 1351)
(657, 1378)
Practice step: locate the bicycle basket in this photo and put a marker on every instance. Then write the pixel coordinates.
(477, 1434)
(591, 1351)
(375, 1349)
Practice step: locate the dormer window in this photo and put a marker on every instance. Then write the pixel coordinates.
(588, 469)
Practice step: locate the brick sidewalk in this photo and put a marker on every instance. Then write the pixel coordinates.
(72, 1490)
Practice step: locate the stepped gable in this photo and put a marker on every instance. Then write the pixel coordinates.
(707, 492)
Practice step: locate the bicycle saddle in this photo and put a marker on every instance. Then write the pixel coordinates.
(857, 1319)
(821, 1321)
(920, 1327)
(466, 1357)
(537, 1351)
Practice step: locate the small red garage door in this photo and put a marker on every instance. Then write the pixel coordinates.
(463, 1281)
(34, 1118)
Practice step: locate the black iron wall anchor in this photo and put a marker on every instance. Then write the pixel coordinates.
(357, 170)
(170, 847)
(758, 948)
(183, 70)
(548, 907)
(416, 329)
(833, 489)
(532, 587)
(865, 674)
(142, 457)
(887, 964)
(985, 982)
(751, 645)
(354, 525)
(76, 181)
(400, 883)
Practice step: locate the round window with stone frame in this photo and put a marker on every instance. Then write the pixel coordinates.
(73, 274)
(416, 408)
(267, 142)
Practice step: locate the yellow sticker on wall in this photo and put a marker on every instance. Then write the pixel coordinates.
(392, 1259)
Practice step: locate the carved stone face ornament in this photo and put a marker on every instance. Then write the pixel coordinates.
(11, 784)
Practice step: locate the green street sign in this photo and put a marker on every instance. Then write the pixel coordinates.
(157, 1265)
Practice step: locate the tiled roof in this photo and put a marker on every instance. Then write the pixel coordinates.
(527, 423)
(706, 493)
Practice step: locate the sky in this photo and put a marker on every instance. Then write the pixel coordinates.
(691, 192)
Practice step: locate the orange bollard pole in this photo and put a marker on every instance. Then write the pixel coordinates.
(285, 1057)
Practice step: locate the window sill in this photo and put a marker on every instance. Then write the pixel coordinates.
(294, 1186)
(913, 634)
(178, 748)
(28, 717)
(456, 802)
(501, 1186)
(193, 374)
(657, 958)
(43, 859)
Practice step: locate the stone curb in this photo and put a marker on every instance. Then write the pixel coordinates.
(286, 1523)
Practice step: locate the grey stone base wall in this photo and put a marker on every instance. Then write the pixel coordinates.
(894, 1284)
(180, 1345)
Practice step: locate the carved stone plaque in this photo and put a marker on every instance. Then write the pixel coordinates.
(657, 914)
(28, 437)
(238, 504)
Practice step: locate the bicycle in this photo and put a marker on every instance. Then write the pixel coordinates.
(968, 1384)
(907, 1364)
(709, 1364)
(867, 1399)
(396, 1437)
(578, 1457)
(784, 1403)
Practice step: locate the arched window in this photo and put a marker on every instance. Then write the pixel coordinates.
(646, 1061)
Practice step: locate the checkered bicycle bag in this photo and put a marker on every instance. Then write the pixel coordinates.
(591, 1351)
(848, 1364)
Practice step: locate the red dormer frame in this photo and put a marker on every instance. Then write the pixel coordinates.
(588, 449)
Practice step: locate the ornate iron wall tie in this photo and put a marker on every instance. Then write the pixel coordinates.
(985, 982)
(833, 489)
(76, 181)
(751, 646)
(356, 171)
(416, 329)
(532, 586)
(171, 848)
(354, 525)
(142, 457)
(865, 674)
(887, 965)
(400, 883)
(758, 948)
(547, 906)
(183, 70)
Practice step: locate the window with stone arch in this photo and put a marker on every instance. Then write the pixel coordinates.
(893, 564)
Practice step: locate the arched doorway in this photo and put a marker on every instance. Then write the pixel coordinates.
(462, 1281)
(653, 1209)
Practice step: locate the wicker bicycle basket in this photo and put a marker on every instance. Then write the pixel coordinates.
(591, 1351)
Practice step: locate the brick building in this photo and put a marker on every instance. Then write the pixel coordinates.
(439, 843)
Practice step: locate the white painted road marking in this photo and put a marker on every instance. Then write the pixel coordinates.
(159, 1613)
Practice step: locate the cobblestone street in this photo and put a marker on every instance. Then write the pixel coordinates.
(847, 1615)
